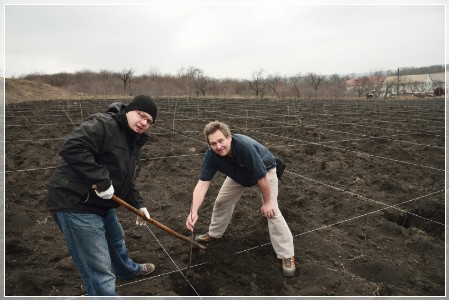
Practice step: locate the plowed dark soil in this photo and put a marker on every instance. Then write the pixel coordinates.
(363, 194)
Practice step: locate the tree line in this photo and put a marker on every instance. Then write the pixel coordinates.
(193, 82)
(417, 71)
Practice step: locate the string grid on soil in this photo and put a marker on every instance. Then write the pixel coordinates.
(363, 195)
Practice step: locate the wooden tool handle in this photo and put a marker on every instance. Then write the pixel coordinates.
(153, 221)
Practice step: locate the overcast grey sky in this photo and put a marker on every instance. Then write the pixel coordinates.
(224, 40)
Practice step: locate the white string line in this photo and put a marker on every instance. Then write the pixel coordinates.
(333, 108)
(67, 114)
(338, 148)
(34, 140)
(345, 109)
(365, 137)
(369, 126)
(321, 128)
(343, 105)
(343, 149)
(31, 169)
(171, 156)
(371, 212)
(294, 236)
(355, 151)
(54, 139)
(47, 124)
(179, 270)
(160, 275)
(349, 150)
(386, 137)
(371, 200)
(151, 277)
(188, 137)
(400, 122)
(346, 220)
(436, 122)
(257, 117)
(411, 109)
(192, 102)
(304, 142)
(313, 126)
(292, 125)
(197, 154)
(142, 159)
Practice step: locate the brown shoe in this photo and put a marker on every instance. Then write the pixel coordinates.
(146, 269)
(204, 238)
(288, 266)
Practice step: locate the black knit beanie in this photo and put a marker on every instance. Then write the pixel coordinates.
(143, 103)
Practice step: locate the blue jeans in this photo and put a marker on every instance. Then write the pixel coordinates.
(98, 249)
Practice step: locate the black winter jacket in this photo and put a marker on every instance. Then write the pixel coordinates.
(101, 150)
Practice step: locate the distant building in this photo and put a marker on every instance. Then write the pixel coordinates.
(369, 86)
(378, 86)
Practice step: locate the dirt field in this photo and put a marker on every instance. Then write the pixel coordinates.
(363, 194)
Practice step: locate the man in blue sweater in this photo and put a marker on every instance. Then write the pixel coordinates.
(246, 163)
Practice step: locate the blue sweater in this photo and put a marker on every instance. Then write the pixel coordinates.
(250, 161)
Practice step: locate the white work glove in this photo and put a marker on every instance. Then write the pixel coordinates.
(106, 194)
(139, 220)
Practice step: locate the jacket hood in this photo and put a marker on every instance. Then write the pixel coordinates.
(115, 107)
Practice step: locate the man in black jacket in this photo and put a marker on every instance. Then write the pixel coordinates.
(105, 151)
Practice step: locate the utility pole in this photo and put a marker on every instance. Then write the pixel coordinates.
(397, 86)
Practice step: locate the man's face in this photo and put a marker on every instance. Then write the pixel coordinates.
(219, 143)
(139, 121)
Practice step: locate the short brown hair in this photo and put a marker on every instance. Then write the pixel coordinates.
(213, 126)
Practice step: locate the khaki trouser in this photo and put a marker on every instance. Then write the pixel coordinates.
(230, 193)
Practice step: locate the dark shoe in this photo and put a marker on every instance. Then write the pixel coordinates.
(146, 269)
(288, 266)
(204, 238)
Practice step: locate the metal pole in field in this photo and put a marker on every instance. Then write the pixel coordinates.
(397, 86)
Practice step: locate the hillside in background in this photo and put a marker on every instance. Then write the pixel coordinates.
(18, 90)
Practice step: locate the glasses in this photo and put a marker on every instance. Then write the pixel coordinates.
(144, 117)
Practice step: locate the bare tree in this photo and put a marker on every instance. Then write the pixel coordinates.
(153, 72)
(335, 85)
(257, 84)
(126, 75)
(315, 80)
(201, 84)
(361, 86)
(200, 81)
(295, 81)
(106, 74)
(387, 87)
(274, 83)
(195, 79)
